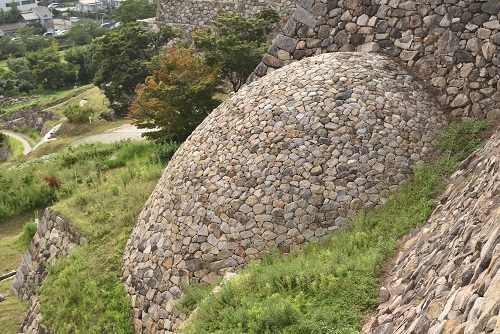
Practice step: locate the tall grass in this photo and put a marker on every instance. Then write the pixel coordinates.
(329, 287)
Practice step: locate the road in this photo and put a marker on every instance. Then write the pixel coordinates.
(28, 143)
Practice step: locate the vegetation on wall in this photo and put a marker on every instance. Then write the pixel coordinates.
(328, 287)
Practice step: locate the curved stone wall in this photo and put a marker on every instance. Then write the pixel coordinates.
(287, 159)
(447, 276)
(452, 44)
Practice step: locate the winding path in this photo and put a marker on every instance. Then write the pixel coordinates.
(27, 142)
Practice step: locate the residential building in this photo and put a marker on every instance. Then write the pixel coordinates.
(88, 6)
(21, 4)
(9, 30)
(38, 15)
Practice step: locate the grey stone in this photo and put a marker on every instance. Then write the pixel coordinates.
(305, 17)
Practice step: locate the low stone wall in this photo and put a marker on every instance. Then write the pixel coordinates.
(54, 238)
(447, 276)
(287, 159)
(193, 14)
(452, 44)
(30, 118)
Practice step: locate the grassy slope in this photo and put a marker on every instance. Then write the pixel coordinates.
(329, 287)
(23, 190)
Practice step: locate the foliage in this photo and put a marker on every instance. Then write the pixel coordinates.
(77, 114)
(11, 15)
(177, 97)
(165, 151)
(2, 138)
(132, 10)
(48, 71)
(20, 67)
(238, 43)
(328, 287)
(9, 48)
(84, 31)
(122, 58)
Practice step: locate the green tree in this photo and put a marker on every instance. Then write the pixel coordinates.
(237, 42)
(122, 57)
(20, 67)
(13, 13)
(84, 31)
(177, 97)
(133, 10)
(81, 57)
(48, 70)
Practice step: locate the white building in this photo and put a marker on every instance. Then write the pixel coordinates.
(22, 5)
(88, 6)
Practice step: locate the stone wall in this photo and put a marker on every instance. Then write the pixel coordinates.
(54, 238)
(453, 44)
(192, 14)
(447, 276)
(287, 159)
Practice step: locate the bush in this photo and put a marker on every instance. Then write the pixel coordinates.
(165, 151)
(77, 114)
(25, 87)
(29, 230)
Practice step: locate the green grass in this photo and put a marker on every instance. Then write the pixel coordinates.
(16, 147)
(44, 98)
(101, 188)
(14, 241)
(329, 287)
(12, 310)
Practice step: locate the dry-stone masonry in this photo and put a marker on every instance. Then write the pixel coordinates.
(54, 238)
(447, 276)
(287, 159)
(454, 44)
(190, 15)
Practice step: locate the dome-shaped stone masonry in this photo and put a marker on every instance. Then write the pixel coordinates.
(288, 158)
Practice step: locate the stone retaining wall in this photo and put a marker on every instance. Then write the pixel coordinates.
(287, 159)
(453, 44)
(54, 238)
(193, 14)
(447, 276)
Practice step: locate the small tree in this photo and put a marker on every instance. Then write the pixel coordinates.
(177, 97)
(238, 43)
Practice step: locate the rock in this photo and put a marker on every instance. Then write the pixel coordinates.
(448, 43)
(460, 101)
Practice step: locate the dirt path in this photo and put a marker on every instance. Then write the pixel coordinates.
(123, 132)
(26, 141)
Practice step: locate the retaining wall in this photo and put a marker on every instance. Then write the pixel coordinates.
(452, 44)
(54, 238)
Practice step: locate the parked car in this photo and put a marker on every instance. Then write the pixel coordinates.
(53, 5)
(74, 19)
(48, 34)
(61, 32)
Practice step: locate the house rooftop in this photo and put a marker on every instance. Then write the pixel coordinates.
(29, 16)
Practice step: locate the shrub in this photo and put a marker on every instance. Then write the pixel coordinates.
(52, 181)
(29, 230)
(77, 114)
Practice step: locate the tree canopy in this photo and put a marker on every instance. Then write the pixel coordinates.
(84, 31)
(236, 42)
(177, 97)
(123, 60)
(133, 10)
